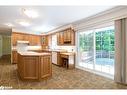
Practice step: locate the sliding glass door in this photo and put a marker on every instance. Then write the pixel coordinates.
(86, 49)
(96, 50)
(105, 50)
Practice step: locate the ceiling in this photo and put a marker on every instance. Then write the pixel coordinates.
(50, 17)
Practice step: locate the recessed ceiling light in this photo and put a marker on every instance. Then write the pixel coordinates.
(24, 23)
(9, 24)
(30, 13)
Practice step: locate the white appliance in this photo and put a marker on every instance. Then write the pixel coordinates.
(54, 57)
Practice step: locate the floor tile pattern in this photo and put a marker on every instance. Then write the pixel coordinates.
(61, 79)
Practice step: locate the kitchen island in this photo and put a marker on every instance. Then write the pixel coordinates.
(34, 65)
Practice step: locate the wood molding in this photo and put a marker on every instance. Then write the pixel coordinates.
(25, 33)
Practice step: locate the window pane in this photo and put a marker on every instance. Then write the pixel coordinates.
(105, 50)
(96, 50)
(86, 49)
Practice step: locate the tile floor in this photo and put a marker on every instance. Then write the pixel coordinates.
(61, 79)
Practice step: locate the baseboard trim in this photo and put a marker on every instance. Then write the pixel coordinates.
(96, 72)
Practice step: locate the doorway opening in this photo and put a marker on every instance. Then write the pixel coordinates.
(96, 50)
(5, 46)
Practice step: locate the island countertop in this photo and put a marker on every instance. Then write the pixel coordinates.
(34, 65)
(30, 53)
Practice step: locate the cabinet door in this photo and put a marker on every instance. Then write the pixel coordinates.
(30, 67)
(60, 38)
(67, 36)
(30, 40)
(14, 57)
(33, 40)
(14, 39)
(25, 37)
(44, 40)
(46, 66)
(73, 37)
(19, 37)
(38, 40)
(69, 33)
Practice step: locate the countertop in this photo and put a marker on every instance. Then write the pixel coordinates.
(68, 53)
(55, 50)
(50, 50)
(29, 53)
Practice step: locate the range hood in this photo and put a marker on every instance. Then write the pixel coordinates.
(22, 42)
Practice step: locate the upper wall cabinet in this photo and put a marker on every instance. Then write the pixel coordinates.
(60, 38)
(66, 37)
(33, 39)
(44, 40)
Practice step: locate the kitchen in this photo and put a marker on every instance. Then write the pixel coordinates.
(63, 51)
(27, 46)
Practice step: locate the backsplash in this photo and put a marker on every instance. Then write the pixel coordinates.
(53, 44)
(68, 48)
(21, 47)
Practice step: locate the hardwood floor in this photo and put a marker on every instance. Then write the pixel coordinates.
(61, 79)
(5, 59)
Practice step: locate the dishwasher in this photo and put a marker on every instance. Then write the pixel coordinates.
(54, 57)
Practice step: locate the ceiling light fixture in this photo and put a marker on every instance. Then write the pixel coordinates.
(24, 23)
(30, 13)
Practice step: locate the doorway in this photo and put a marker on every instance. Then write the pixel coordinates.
(96, 50)
(5, 46)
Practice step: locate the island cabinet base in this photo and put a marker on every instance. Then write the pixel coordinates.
(34, 67)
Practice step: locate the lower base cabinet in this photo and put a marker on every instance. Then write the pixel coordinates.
(68, 61)
(14, 57)
(34, 67)
(31, 67)
(46, 66)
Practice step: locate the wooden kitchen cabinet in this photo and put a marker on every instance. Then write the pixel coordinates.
(34, 67)
(46, 66)
(66, 37)
(14, 37)
(25, 37)
(31, 67)
(60, 39)
(68, 60)
(44, 40)
(14, 57)
(33, 39)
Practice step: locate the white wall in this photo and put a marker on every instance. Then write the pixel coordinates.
(97, 21)
(104, 19)
(53, 44)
